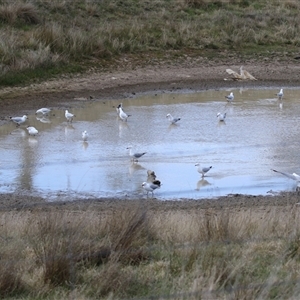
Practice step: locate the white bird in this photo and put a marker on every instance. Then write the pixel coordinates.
(134, 155)
(172, 119)
(204, 170)
(44, 111)
(280, 94)
(230, 97)
(123, 116)
(150, 187)
(19, 120)
(69, 116)
(32, 130)
(85, 136)
(221, 117)
(293, 176)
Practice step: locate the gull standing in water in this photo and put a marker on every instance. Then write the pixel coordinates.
(32, 130)
(172, 119)
(280, 94)
(44, 111)
(150, 187)
(230, 97)
(123, 116)
(85, 136)
(134, 155)
(221, 117)
(19, 120)
(69, 116)
(201, 170)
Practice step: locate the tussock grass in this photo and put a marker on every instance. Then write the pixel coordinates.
(54, 34)
(130, 251)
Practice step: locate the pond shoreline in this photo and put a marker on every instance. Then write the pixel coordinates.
(71, 92)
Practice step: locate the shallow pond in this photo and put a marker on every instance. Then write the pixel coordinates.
(260, 133)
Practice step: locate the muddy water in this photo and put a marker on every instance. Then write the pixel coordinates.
(260, 133)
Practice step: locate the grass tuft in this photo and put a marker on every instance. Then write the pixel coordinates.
(19, 13)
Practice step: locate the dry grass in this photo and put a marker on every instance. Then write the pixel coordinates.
(132, 251)
(52, 34)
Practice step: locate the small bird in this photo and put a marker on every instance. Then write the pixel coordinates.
(44, 111)
(123, 116)
(280, 94)
(221, 117)
(204, 170)
(135, 156)
(85, 136)
(230, 97)
(69, 116)
(19, 120)
(32, 130)
(150, 187)
(293, 176)
(172, 119)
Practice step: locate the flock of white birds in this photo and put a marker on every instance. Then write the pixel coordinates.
(152, 183)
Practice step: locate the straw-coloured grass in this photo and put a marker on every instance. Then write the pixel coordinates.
(85, 32)
(130, 250)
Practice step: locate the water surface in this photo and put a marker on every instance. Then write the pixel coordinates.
(260, 133)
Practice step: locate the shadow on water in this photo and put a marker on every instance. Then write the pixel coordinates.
(259, 133)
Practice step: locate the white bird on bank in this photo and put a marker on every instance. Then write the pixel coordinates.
(69, 116)
(230, 97)
(201, 170)
(221, 117)
(293, 176)
(19, 120)
(172, 119)
(85, 136)
(151, 187)
(123, 116)
(280, 94)
(135, 155)
(32, 130)
(44, 111)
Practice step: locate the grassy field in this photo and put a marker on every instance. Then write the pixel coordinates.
(41, 39)
(135, 252)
